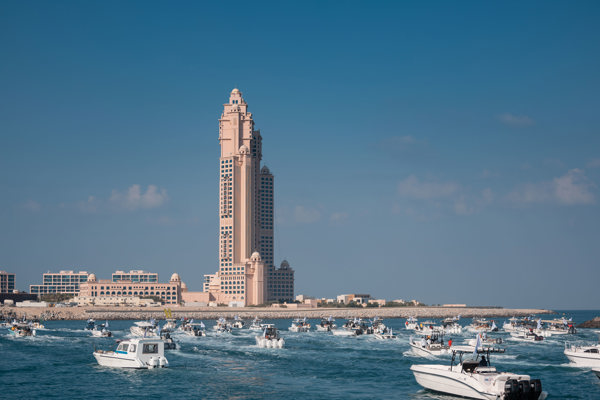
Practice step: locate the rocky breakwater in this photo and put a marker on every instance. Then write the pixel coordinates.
(592, 323)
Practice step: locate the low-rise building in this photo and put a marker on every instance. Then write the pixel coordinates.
(135, 276)
(65, 282)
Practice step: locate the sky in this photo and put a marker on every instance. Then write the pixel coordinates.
(447, 152)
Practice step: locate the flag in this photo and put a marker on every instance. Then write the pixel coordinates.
(202, 325)
(477, 344)
(539, 323)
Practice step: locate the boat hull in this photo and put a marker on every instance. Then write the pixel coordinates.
(439, 382)
(582, 359)
(421, 351)
(111, 360)
(270, 343)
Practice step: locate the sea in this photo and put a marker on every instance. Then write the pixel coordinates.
(58, 363)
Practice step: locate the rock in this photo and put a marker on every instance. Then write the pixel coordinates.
(592, 323)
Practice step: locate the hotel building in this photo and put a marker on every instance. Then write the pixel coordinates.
(135, 276)
(62, 282)
(247, 274)
(7, 282)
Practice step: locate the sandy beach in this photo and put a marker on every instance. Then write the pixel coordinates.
(132, 313)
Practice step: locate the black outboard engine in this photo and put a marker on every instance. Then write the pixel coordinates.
(536, 389)
(524, 390)
(511, 390)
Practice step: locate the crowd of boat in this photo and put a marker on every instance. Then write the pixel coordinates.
(468, 372)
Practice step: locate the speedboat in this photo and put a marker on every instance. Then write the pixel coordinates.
(270, 338)
(170, 324)
(255, 326)
(299, 325)
(326, 325)
(90, 324)
(134, 353)
(21, 330)
(144, 329)
(222, 326)
(477, 379)
(484, 339)
(431, 345)
(170, 344)
(560, 326)
(451, 326)
(37, 325)
(529, 336)
(377, 326)
(482, 325)
(101, 330)
(388, 334)
(583, 356)
(194, 329)
(238, 322)
(411, 323)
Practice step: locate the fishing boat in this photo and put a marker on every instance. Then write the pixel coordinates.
(475, 378)
(194, 329)
(484, 340)
(134, 353)
(144, 329)
(583, 355)
(411, 323)
(388, 334)
(238, 323)
(256, 324)
(170, 344)
(270, 338)
(21, 330)
(222, 326)
(482, 325)
(430, 345)
(451, 326)
(528, 336)
(560, 326)
(326, 325)
(101, 330)
(90, 324)
(299, 325)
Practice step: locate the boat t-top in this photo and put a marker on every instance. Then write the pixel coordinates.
(299, 325)
(270, 337)
(475, 378)
(135, 353)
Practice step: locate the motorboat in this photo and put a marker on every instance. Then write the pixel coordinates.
(430, 345)
(270, 338)
(170, 324)
(90, 324)
(194, 329)
(515, 324)
(222, 326)
(299, 325)
(411, 323)
(377, 327)
(451, 326)
(170, 344)
(255, 325)
(426, 326)
(560, 326)
(583, 355)
(482, 325)
(37, 325)
(326, 325)
(238, 322)
(101, 330)
(356, 326)
(388, 334)
(140, 353)
(484, 339)
(529, 336)
(144, 329)
(477, 379)
(21, 330)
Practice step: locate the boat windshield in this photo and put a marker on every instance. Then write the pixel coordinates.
(123, 347)
(150, 348)
(132, 348)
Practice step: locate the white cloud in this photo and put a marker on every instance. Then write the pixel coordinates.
(32, 206)
(306, 215)
(515, 120)
(338, 217)
(89, 206)
(411, 187)
(573, 188)
(135, 198)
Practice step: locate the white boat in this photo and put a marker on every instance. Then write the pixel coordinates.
(255, 326)
(21, 330)
(270, 338)
(388, 334)
(144, 329)
(583, 355)
(432, 345)
(101, 330)
(451, 326)
(134, 353)
(343, 332)
(482, 325)
(170, 324)
(484, 340)
(411, 323)
(528, 336)
(90, 324)
(170, 344)
(194, 329)
(356, 326)
(222, 326)
(238, 322)
(37, 325)
(560, 326)
(476, 379)
(299, 325)
(326, 325)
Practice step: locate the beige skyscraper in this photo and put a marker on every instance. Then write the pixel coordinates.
(247, 274)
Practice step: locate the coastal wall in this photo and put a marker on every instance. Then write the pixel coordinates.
(208, 313)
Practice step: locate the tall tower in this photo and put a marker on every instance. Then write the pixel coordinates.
(246, 272)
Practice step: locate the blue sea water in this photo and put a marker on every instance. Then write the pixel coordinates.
(58, 363)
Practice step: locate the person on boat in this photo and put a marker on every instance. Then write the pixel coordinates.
(449, 342)
(483, 362)
(423, 342)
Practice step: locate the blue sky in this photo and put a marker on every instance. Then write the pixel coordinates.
(447, 152)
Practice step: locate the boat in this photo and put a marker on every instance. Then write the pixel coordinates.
(299, 325)
(388, 334)
(377, 327)
(583, 355)
(270, 338)
(482, 325)
(560, 326)
(101, 330)
(484, 339)
(238, 322)
(170, 322)
(170, 344)
(222, 326)
(411, 323)
(144, 329)
(37, 325)
(430, 345)
(477, 379)
(529, 336)
(326, 325)
(194, 329)
(451, 326)
(139, 353)
(90, 324)
(256, 324)
(596, 371)
(20, 329)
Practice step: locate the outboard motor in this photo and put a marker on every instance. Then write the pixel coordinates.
(536, 389)
(511, 389)
(524, 390)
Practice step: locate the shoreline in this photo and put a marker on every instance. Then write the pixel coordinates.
(208, 313)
